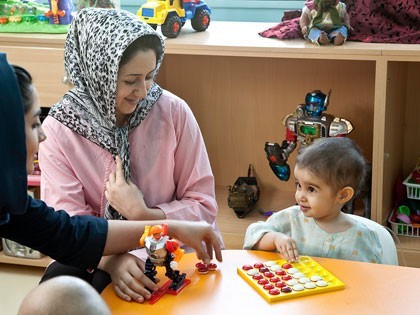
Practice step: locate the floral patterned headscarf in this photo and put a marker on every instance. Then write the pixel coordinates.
(95, 43)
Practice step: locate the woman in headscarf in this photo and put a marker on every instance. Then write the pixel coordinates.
(117, 111)
(79, 241)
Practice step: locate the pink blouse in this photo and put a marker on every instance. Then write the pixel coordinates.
(168, 160)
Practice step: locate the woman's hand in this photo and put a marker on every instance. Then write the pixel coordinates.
(128, 278)
(198, 235)
(126, 198)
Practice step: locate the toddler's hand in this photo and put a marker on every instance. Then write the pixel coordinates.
(287, 247)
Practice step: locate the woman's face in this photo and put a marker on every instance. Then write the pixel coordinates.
(34, 132)
(134, 80)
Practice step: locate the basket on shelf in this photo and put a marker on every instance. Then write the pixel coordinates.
(408, 228)
(404, 229)
(413, 189)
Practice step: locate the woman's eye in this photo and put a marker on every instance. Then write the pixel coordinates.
(130, 82)
(149, 78)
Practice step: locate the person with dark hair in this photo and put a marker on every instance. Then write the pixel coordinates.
(118, 145)
(328, 172)
(78, 241)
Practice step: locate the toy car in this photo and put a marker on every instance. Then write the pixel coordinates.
(171, 15)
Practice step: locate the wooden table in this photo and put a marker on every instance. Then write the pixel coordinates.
(369, 289)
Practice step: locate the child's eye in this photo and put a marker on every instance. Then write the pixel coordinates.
(297, 185)
(311, 189)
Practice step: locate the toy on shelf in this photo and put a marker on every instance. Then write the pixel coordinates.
(18, 16)
(307, 123)
(405, 218)
(172, 15)
(163, 252)
(244, 194)
(60, 11)
(280, 280)
(14, 249)
(325, 21)
(415, 175)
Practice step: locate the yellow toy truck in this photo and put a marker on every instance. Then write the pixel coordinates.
(171, 15)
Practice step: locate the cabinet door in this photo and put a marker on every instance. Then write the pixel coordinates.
(46, 66)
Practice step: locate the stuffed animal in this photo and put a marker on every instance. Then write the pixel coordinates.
(325, 21)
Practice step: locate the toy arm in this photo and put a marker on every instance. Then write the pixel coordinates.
(145, 234)
(304, 21)
(346, 21)
(173, 247)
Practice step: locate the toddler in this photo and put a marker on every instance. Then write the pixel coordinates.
(327, 173)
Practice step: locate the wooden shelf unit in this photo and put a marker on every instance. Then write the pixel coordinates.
(241, 85)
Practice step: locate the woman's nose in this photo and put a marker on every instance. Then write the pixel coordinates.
(140, 91)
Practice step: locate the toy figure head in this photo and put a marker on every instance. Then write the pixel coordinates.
(316, 102)
(156, 231)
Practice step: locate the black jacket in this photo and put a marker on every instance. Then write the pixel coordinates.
(78, 241)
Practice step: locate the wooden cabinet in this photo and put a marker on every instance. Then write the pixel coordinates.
(240, 86)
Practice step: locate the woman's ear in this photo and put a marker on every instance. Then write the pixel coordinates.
(345, 194)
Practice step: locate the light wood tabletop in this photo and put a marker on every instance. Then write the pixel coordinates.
(369, 289)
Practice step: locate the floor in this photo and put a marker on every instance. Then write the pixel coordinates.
(15, 282)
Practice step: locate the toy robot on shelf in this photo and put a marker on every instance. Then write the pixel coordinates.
(163, 251)
(307, 123)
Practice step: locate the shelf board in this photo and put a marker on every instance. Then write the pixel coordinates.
(42, 262)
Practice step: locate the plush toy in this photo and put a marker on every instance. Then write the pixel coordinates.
(325, 21)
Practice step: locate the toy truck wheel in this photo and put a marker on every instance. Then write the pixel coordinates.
(171, 27)
(201, 20)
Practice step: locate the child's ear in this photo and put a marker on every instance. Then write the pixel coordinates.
(345, 194)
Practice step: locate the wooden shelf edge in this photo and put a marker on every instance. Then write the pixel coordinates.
(42, 262)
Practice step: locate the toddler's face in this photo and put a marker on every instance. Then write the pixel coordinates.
(315, 197)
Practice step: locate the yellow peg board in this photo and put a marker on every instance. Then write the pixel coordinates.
(279, 280)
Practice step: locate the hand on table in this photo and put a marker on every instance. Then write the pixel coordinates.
(286, 246)
(128, 278)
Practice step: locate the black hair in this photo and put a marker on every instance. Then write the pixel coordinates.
(338, 161)
(25, 87)
(142, 44)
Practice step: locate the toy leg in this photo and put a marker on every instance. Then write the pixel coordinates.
(150, 270)
(174, 275)
(339, 35)
(318, 37)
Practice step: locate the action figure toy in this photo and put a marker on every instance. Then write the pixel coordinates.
(163, 251)
(307, 123)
